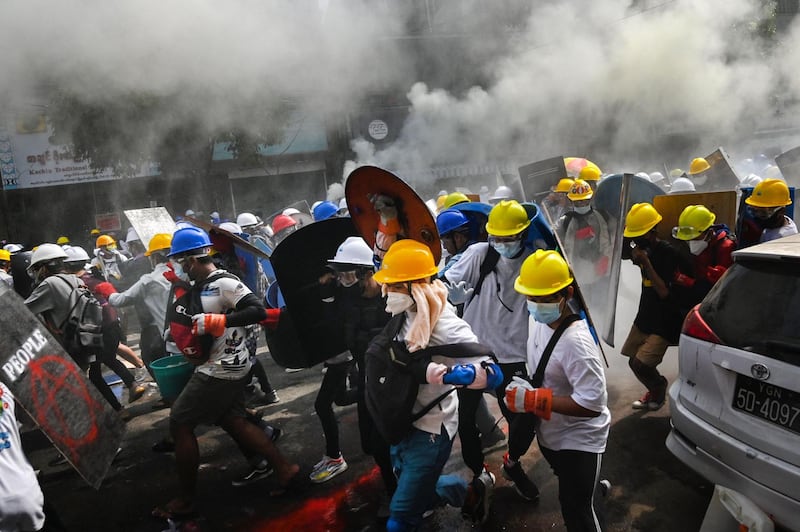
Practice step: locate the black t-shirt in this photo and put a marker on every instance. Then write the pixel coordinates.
(660, 316)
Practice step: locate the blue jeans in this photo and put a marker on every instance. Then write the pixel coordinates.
(418, 461)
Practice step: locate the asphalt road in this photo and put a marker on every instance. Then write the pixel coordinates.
(652, 491)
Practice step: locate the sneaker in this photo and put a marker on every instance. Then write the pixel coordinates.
(135, 392)
(479, 497)
(260, 398)
(327, 468)
(261, 471)
(524, 485)
(605, 487)
(648, 402)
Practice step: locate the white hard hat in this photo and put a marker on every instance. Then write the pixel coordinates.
(46, 253)
(682, 184)
(214, 214)
(656, 177)
(247, 219)
(231, 228)
(315, 205)
(13, 248)
(502, 193)
(290, 211)
(750, 180)
(189, 212)
(643, 175)
(132, 235)
(353, 251)
(76, 254)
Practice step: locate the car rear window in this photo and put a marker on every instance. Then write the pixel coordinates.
(756, 307)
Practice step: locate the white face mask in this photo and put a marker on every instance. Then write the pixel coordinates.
(583, 210)
(696, 247)
(397, 303)
(700, 180)
(508, 250)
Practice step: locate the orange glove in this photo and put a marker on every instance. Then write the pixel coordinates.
(105, 289)
(272, 319)
(213, 324)
(522, 397)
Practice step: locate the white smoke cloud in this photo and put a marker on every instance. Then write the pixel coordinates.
(597, 75)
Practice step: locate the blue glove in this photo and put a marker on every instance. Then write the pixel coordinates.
(461, 375)
(494, 375)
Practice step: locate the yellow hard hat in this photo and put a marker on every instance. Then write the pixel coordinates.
(640, 220)
(62, 240)
(507, 218)
(103, 240)
(159, 242)
(590, 173)
(94, 231)
(543, 273)
(5, 255)
(580, 191)
(454, 198)
(698, 166)
(564, 185)
(692, 222)
(770, 193)
(406, 260)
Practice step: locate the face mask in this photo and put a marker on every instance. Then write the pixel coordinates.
(397, 303)
(178, 269)
(508, 249)
(347, 279)
(545, 312)
(696, 247)
(583, 210)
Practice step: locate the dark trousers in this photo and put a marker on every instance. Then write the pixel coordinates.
(521, 427)
(332, 390)
(372, 443)
(468, 433)
(578, 474)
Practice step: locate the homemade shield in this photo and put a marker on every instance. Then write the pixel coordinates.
(227, 238)
(416, 220)
(789, 163)
(538, 178)
(670, 207)
(721, 175)
(149, 222)
(306, 335)
(55, 392)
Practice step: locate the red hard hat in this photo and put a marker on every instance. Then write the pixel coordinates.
(281, 222)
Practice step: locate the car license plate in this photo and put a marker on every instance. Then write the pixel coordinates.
(767, 401)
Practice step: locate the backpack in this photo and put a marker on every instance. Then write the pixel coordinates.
(393, 375)
(82, 329)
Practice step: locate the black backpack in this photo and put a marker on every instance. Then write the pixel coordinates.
(82, 329)
(393, 376)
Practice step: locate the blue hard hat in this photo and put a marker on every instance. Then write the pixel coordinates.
(325, 210)
(188, 239)
(449, 220)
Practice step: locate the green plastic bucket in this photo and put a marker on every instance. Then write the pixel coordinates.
(171, 373)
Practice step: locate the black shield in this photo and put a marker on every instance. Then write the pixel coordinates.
(305, 336)
(538, 178)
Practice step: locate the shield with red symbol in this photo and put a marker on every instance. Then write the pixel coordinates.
(55, 392)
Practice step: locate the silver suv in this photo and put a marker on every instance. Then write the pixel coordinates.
(736, 403)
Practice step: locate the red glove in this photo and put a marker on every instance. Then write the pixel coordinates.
(684, 280)
(105, 289)
(213, 324)
(272, 319)
(522, 397)
(713, 273)
(601, 266)
(169, 275)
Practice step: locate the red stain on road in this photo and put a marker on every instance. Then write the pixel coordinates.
(332, 513)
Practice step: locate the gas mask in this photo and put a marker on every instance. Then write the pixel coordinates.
(347, 279)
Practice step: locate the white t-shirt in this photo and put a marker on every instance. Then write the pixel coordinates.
(575, 370)
(229, 358)
(499, 315)
(21, 498)
(449, 329)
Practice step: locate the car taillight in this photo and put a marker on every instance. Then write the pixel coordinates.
(695, 326)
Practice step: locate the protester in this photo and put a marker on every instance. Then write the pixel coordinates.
(5, 267)
(768, 204)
